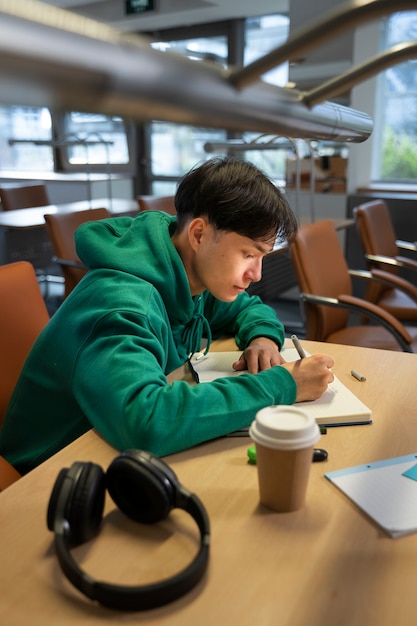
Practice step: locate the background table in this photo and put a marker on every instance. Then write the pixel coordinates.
(23, 234)
(325, 564)
(33, 217)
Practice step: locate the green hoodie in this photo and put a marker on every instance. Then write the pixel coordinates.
(103, 358)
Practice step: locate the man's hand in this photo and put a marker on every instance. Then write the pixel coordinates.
(261, 354)
(312, 376)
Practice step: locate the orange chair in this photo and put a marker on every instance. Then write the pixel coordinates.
(61, 228)
(23, 314)
(325, 286)
(157, 203)
(382, 253)
(8, 474)
(23, 197)
(378, 237)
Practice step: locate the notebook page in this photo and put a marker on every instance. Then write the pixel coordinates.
(337, 406)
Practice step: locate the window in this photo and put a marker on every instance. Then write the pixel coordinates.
(33, 140)
(176, 148)
(93, 139)
(262, 35)
(396, 115)
(25, 139)
(198, 48)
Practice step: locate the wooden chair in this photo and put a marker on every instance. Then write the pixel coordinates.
(23, 314)
(17, 197)
(326, 292)
(61, 228)
(23, 197)
(382, 253)
(157, 203)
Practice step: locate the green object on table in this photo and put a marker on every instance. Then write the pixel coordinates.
(252, 455)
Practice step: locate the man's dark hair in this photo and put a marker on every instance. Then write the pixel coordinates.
(235, 196)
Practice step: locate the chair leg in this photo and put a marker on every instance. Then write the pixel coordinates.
(42, 280)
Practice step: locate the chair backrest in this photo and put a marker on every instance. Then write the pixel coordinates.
(376, 232)
(23, 314)
(23, 197)
(157, 203)
(8, 474)
(61, 228)
(375, 228)
(321, 269)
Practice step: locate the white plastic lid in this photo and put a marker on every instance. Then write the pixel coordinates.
(284, 427)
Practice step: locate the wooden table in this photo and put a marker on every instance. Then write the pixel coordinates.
(23, 234)
(33, 217)
(327, 564)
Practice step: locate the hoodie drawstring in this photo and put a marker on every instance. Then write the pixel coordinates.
(193, 332)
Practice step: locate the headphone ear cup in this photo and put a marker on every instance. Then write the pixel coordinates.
(78, 497)
(86, 510)
(57, 493)
(140, 490)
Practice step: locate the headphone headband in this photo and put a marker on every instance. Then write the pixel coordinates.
(144, 488)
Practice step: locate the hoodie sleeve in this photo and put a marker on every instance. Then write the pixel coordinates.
(247, 316)
(119, 383)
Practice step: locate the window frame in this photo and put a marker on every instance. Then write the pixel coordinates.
(59, 152)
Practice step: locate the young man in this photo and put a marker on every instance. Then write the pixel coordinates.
(157, 286)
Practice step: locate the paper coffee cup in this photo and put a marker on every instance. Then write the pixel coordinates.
(284, 437)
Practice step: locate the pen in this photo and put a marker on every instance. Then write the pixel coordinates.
(298, 346)
(194, 373)
(358, 376)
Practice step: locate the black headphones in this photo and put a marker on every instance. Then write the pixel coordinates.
(146, 490)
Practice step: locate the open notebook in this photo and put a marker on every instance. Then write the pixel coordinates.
(338, 406)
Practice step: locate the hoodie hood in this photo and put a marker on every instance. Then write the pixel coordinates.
(142, 246)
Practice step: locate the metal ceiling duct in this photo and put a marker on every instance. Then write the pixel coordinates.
(50, 57)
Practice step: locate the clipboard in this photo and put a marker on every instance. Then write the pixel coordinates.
(385, 490)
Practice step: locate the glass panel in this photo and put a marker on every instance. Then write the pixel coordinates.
(399, 105)
(176, 148)
(99, 139)
(164, 188)
(198, 48)
(262, 35)
(22, 131)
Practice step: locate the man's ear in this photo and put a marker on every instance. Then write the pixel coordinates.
(197, 228)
